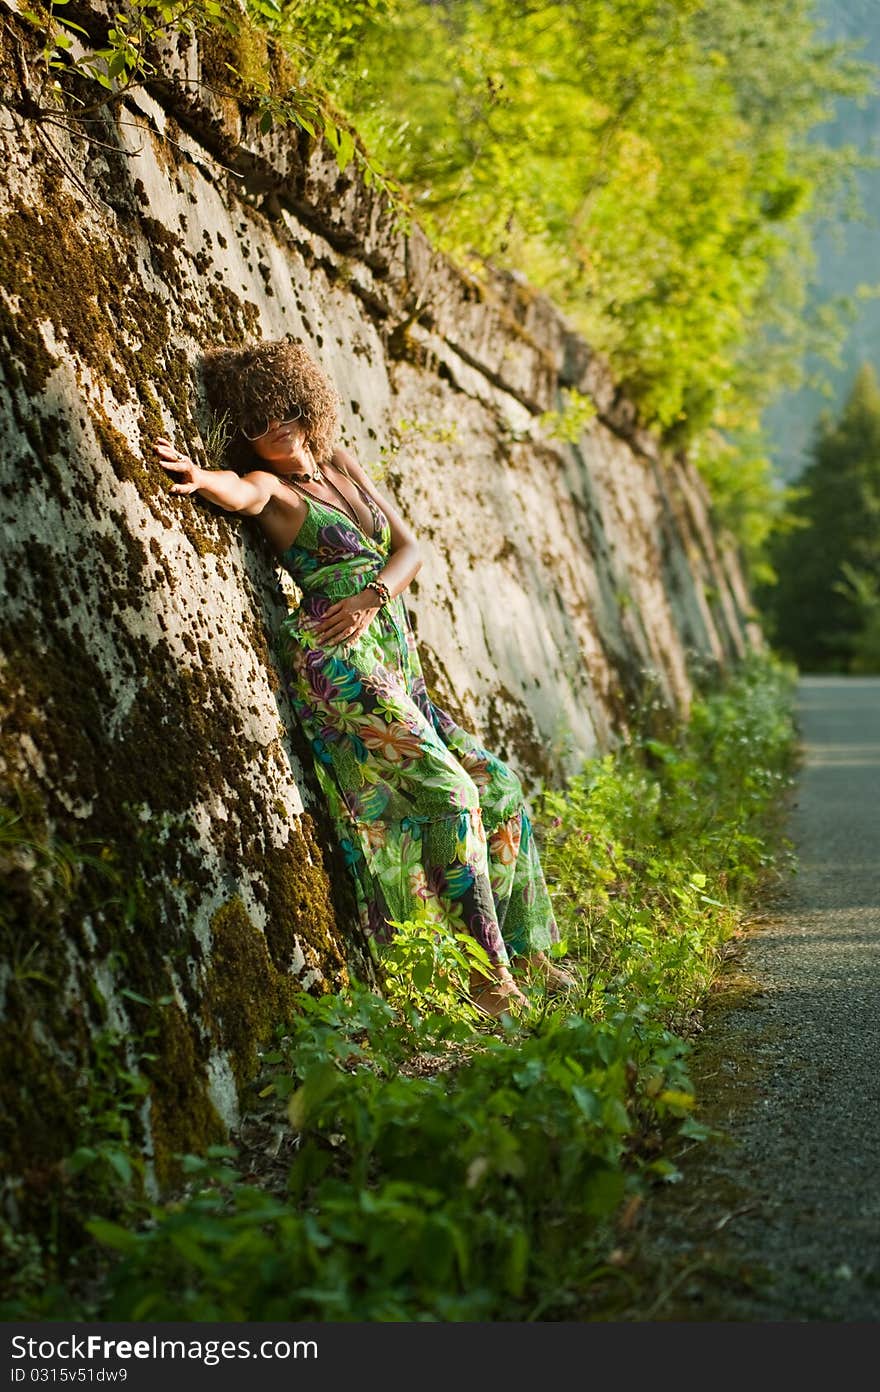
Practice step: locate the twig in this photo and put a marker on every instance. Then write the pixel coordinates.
(92, 139)
(69, 170)
(735, 1213)
(665, 1294)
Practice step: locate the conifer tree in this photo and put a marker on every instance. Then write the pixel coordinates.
(821, 611)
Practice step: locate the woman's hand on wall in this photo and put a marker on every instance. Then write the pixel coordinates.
(345, 620)
(224, 487)
(190, 475)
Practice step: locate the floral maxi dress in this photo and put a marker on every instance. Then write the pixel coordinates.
(432, 824)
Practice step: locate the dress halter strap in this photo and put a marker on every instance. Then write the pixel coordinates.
(349, 509)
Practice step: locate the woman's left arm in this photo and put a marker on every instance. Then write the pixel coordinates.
(349, 617)
(405, 558)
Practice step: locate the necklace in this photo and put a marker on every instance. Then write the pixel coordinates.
(301, 477)
(322, 478)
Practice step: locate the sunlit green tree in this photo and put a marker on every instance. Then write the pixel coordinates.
(646, 163)
(822, 611)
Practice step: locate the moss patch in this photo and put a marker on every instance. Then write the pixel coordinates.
(245, 993)
(437, 683)
(181, 741)
(102, 311)
(296, 894)
(182, 1116)
(510, 730)
(39, 1093)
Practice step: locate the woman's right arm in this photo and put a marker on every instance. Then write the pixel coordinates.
(222, 486)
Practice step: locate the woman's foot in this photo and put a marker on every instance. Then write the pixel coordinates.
(557, 981)
(498, 995)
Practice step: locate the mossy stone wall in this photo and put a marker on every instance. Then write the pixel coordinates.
(172, 877)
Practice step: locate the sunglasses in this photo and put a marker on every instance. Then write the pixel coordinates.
(255, 427)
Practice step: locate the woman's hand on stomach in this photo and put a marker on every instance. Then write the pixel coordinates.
(346, 619)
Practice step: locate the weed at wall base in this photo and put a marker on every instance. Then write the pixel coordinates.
(400, 1159)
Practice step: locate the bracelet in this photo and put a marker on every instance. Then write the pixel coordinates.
(382, 591)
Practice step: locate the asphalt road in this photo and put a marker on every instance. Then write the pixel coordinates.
(781, 1221)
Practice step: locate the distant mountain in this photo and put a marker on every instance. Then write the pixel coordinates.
(843, 261)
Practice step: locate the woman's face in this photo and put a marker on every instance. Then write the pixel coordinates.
(284, 443)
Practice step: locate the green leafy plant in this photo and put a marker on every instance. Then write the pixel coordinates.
(651, 851)
(427, 1165)
(480, 1190)
(569, 421)
(122, 59)
(115, 57)
(215, 439)
(426, 971)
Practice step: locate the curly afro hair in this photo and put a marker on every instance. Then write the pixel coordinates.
(266, 380)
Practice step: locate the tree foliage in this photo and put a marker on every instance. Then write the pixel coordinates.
(824, 610)
(253, 64)
(646, 163)
(653, 165)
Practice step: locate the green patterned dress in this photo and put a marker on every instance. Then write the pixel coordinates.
(432, 824)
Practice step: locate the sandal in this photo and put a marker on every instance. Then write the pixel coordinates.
(496, 997)
(556, 981)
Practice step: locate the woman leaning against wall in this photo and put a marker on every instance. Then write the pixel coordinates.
(429, 820)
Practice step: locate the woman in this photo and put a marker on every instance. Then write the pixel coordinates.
(429, 820)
